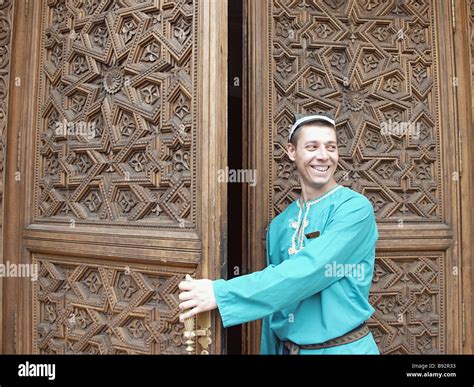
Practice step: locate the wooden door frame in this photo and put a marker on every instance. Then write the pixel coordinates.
(18, 121)
(256, 204)
(211, 144)
(464, 67)
(9, 12)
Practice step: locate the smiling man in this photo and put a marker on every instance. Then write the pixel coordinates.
(307, 304)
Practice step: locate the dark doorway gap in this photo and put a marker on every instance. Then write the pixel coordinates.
(235, 160)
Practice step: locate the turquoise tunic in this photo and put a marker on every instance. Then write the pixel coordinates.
(315, 287)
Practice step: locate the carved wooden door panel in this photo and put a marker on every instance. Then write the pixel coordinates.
(115, 138)
(373, 64)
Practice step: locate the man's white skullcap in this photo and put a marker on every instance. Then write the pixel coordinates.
(301, 119)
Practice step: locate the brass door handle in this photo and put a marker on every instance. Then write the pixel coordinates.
(201, 332)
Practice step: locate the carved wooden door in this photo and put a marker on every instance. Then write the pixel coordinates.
(115, 136)
(372, 63)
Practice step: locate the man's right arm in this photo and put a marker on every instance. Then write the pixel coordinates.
(349, 238)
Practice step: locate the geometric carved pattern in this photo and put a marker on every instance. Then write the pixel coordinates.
(369, 63)
(121, 74)
(86, 308)
(407, 294)
(6, 13)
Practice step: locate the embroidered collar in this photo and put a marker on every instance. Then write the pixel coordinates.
(302, 222)
(314, 201)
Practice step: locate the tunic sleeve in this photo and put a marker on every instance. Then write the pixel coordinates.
(349, 238)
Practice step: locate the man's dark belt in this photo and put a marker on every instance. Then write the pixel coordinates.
(354, 335)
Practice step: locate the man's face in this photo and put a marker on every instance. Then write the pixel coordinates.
(315, 154)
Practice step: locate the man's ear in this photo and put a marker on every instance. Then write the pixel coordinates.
(291, 151)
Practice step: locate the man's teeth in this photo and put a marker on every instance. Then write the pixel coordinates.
(321, 169)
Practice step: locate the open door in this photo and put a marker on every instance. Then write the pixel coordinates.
(116, 132)
(387, 70)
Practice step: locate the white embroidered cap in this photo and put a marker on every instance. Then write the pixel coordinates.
(301, 119)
